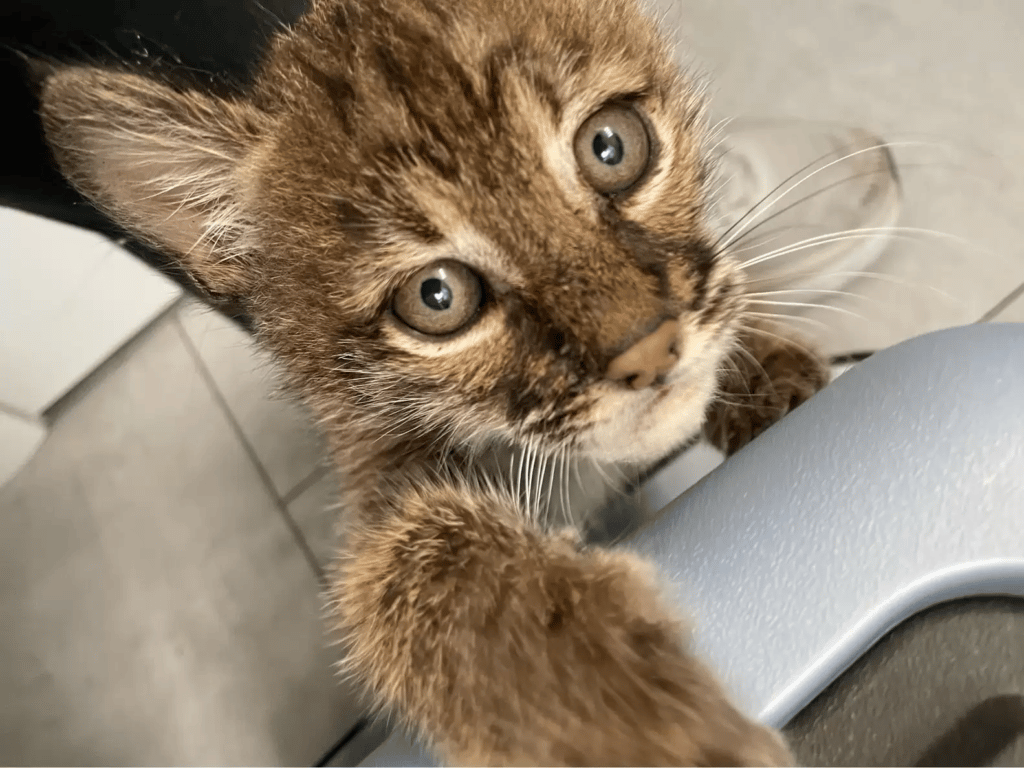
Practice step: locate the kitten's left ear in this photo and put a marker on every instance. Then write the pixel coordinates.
(167, 164)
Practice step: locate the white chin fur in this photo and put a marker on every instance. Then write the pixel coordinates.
(644, 426)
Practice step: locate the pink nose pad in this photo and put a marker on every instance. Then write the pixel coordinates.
(654, 355)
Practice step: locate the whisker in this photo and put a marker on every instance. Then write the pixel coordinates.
(515, 474)
(526, 479)
(733, 369)
(560, 475)
(579, 477)
(762, 331)
(895, 233)
(567, 512)
(1002, 304)
(776, 317)
(757, 363)
(806, 198)
(543, 498)
(866, 275)
(604, 475)
(726, 240)
(276, 20)
(903, 166)
(803, 291)
(516, 471)
(809, 305)
(524, 457)
(769, 237)
(531, 458)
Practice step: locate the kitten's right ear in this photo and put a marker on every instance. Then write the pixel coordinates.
(167, 164)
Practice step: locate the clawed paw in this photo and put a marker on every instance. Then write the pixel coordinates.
(768, 378)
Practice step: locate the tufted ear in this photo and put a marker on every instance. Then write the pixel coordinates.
(167, 164)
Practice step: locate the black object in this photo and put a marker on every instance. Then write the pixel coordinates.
(216, 43)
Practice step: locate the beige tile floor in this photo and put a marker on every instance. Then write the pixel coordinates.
(159, 556)
(160, 601)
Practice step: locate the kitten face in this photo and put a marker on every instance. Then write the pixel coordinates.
(417, 203)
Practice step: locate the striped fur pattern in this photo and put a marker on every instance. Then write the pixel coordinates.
(383, 136)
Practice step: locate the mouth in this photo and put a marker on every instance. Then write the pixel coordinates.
(643, 426)
(661, 391)
(648, 426)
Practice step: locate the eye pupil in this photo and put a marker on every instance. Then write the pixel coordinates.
(436, 294)
(608, 146)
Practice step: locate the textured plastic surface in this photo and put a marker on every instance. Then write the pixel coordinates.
(898, 487)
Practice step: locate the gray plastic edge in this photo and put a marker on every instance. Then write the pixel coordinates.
(997, 577)
(966, 384)
(799, 553)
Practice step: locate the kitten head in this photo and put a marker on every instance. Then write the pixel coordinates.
(455, 222)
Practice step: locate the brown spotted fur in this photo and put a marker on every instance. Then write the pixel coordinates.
(383, 133)
(768, 376)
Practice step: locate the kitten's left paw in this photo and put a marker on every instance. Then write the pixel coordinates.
(767, 748)
(769, 376)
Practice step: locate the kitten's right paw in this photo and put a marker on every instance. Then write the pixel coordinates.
(769, 377)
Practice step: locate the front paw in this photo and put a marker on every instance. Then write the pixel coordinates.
(763, 746)
(768, 377)
(730, 738)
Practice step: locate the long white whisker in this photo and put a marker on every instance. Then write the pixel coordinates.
(564, 486)
(778, 318)
(579, 476)
(779, 235)
(757, 363)
(802, 291)
(774, 197)
(880, 276)
(762, 331)
(531, 454)
(514, 475)
(896, 233)
(611, 483)
(809, 305)
(517, 462)
(775, 214)
(542, 471)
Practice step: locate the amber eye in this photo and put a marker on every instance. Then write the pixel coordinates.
(612, 148)
(439, 299)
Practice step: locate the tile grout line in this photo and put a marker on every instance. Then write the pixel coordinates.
(319, 472)
(350, 736)
(279, 502)
(67, 401)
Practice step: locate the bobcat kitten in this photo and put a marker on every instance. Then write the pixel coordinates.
(461, 228)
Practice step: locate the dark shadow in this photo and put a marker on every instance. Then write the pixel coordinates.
(979, 736)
